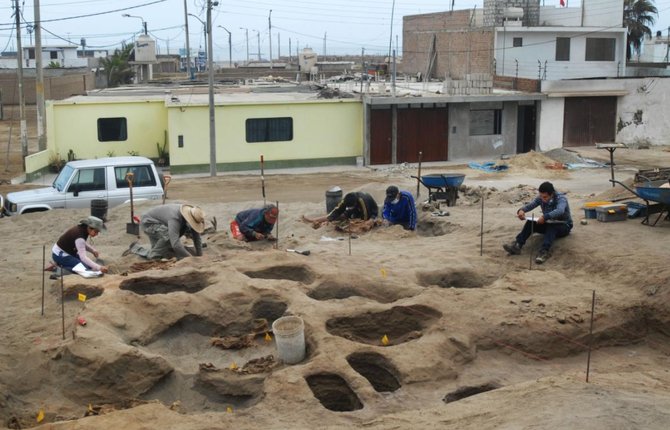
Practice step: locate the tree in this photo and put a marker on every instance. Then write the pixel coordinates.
(116, 66)
(638, 16)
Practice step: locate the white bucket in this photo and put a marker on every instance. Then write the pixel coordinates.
(290, 338)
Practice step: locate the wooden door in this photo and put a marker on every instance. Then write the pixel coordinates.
(380, 136)
(425, 130)
(589, 120)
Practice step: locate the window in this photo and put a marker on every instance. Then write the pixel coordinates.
(112, 129)
(31, 53)
(562, 49)
(485, 122)
(269, 129)
(88, 180)
(143, 176)
(517, 42)
(600, 49)
(53, 55)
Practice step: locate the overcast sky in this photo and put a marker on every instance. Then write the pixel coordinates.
(348, 25)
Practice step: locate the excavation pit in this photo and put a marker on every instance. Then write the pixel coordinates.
(332, 290)
(468, 391)
(456, 278)
(189, 283)
(90, 291)
(432, 228)
(399, 324)
(333, 392)
(269, 309)
(376, 369)
(289, 273)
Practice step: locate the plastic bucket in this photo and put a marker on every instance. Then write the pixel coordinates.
(333, 198)
(99, 208)
(290, 338)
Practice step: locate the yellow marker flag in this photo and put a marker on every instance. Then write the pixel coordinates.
(229, 410)
(385, 340)
(40, 416)
(383, 272)
(268, 338)
(82, 297)
(233, 366)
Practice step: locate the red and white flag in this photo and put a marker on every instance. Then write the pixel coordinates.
(563, 3)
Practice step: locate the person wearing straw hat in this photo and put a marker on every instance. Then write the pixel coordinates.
(72, 247)
(165, 225)
(255, 224)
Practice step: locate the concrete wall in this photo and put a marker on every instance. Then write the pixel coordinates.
(550, 124)
(539, 44)
(643, 113)
(74, 126)
(603, 13)
(462, 146)
(560, 16)
(324, 132)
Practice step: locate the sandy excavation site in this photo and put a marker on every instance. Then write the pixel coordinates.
(475, 341)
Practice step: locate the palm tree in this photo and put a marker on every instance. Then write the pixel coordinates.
(638, 16)
(116, 66)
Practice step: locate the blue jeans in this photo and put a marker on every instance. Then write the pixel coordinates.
(550, 231)
(66, 261)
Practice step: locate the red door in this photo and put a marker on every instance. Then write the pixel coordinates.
(425, 130)
(380, 136)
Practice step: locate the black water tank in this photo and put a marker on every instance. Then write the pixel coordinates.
(99, 208)
(333, 198)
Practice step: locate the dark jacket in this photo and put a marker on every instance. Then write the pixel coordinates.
(253, 221)
(365, 209)
(66, 241)
(556, 208)
(403, 212)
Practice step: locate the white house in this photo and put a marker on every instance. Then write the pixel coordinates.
(64, 56)
(573, 42)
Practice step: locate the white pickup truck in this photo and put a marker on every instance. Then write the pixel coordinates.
(81, 181)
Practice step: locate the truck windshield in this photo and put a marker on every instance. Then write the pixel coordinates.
(63, 177)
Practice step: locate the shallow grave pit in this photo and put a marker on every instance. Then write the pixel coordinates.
(333, 392)
(374, 367)
(452, 278)
(463, 392)
(190, 283)
(289, 273)
(399, 324)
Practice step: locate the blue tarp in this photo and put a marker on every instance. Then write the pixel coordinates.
(488, 167)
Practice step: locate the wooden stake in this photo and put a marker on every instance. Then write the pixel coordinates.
(43, 267)
(588, 357)
(349, 242)
(277, 238)
(418, 180)
(481, 243)
(532, 227)
(263, 178)
(62, 301)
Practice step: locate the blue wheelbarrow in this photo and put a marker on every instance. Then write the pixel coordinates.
(442, 186)
(651, 191)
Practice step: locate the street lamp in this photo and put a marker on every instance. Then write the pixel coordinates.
(246, 32)
(144, 23)
(204, 29)
(230, 47)
(258, 34)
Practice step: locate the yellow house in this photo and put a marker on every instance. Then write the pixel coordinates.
(288, 129)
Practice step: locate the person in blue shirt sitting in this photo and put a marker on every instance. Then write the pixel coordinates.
(554, 222)
(399, 208)
(255, 224)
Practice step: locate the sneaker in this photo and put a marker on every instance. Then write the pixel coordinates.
(130, 249)
(512, 248)
(542, 256)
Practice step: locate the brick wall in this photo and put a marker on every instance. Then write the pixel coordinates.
(460, 49)
(519, 84)
(55, 88)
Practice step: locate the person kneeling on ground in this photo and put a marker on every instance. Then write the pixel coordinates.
(399, 208)
(71, 247)
(165, 225)
(255, 224)
(355, 205)
(554, 222)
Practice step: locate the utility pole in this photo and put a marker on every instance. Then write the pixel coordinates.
(188, 46)
(22, 99)
(324, 45)
(39, 84)
(278, 46)
(210, 67)
(230, 47)
(289, 50)
(270, 35)
(246, 32)
(258, 34)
